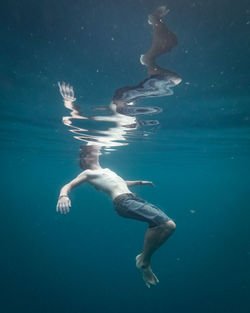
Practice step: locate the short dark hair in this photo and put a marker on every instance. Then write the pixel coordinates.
(85, 151)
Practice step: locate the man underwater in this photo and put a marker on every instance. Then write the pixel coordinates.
(126, 204)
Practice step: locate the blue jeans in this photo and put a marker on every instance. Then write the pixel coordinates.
(129, 205)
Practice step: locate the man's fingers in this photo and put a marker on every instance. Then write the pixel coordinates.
(69, 205)
(63, 206)
(60, 87)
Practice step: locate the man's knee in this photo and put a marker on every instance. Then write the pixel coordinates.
(170, 226)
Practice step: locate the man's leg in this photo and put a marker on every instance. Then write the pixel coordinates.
(154, 238)
(163, 41)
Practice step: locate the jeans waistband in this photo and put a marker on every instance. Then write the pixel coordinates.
(125, 196)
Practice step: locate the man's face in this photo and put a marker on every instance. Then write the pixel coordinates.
(92, 156)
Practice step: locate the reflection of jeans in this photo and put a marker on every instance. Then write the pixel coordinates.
(129, 205)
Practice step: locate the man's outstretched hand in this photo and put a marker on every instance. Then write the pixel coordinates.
(146, 182)
(63, 205)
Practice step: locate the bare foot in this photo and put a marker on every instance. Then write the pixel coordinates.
(147, 274)
(157, 15)
(161, 11)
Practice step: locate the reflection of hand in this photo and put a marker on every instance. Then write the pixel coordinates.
(146, 182)
(67, 92)
(63, 205)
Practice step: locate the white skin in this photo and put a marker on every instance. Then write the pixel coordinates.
(105, 180)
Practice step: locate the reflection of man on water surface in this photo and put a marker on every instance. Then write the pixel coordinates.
(126, 203)
(160, 80)
(124, 112)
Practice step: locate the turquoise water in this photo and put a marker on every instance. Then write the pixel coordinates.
(198, 158)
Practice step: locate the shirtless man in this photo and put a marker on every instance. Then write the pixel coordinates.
(126, 204)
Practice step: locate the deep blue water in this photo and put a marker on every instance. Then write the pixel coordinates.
(198, 158)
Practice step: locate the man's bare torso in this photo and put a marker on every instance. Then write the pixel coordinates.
(108, 181)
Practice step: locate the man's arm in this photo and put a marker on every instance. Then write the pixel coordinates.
(64, 202)
(138, 182)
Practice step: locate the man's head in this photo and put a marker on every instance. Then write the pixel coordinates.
(89, 157)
